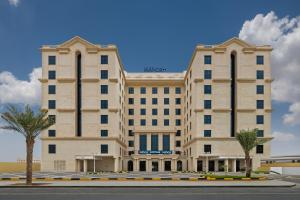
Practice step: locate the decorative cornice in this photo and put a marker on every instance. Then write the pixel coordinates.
(219, 50)
(63, 50)
(198, 80)
(249, 50)
(221, 110)
(90, 109)
(245, 80)
(43, 80)
(221, 80)
(113, 80)
(154, 131)
(66, 80)
(113, 109)
(269, 80)
(65, 109)
(198, 110)
(90, 80)
(92, 50)
(268, 110)
(245, 110)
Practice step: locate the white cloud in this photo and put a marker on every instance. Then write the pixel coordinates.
(284, 35)
(283, 137)
(14, 91)
(14, 2)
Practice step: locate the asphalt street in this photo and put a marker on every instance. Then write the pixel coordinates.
(150, 193)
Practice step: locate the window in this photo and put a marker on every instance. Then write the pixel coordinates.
(260, 149)
(178, 111)
(166, 90)
(104, 59)
(166, 101)
(207, 74)
(143, 101)
(104, 89)
(104, 148)
(154, 142)
(51, 133)
(259, 74)
(130, 133)
(207, 119)
(131, 143)
(104, 133)
(207, 104)
(259, 104)
(178, 122)
(104, 119)
(143, 90)
(51, 104)
(51, 89)
(104, 104)
(154, 111)
(52, 118)
(207, 148)
(259, 89)
(178, 90)
(166, 111)
(207, 89)
(178, 143)
(259, 119)
(143, 111)
(260, 133)
(166, 142)
(178, 133)
(104, 74)
(130, 101)
(131, 111)
(154, 90)
(51, 75)
(52, 148)
(130, 122)
(166, 122)
(131, 90)
(207, 133)
(177, 101)
(51, 60)
(143, 142)
(154, 101)
(207, 59)
(154, 122)
(259, 60)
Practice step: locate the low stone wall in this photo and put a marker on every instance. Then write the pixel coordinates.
(17, 167)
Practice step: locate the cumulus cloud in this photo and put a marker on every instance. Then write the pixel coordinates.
(283, 137)
(14, 2)
(284, 35)
(14, 91)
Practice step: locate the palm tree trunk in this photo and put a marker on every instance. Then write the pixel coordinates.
(248, 165)
(29, 149)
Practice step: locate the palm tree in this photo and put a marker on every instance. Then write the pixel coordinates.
(30, 125)
(248, 140)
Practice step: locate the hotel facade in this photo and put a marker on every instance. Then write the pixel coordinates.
(107, 119)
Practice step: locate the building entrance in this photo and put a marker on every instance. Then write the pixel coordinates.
(155, 166)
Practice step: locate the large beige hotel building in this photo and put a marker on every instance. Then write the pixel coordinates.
(108, 119)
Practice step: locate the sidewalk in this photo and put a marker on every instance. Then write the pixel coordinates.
(266, 183)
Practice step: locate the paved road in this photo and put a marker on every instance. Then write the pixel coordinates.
(150, 193)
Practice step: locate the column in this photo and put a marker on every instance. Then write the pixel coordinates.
(160, 165)
(148, 141)
(216, 165)
(172, 142)
(135, 165)
(226, 166)
(85, 166)
(173, 165)
(234, 165)
(194, 163)
(116, 164)
(206, 164)
(160, 141)
(136, 143)
(148, 165)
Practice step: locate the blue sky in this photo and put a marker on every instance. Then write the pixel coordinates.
(148, 34)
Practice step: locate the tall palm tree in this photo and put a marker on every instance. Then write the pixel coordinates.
(248, 140)
(30, 125)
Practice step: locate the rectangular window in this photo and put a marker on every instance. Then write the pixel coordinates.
(178, 90)
(259, 119)
(154, 111)
(104, 104)
(104, 148)
(143, 111)
(207, 104)
(207, 119)
(207, 74)
(177, 101)
(143, 101)
(130, 133)
(104, 133)
(104, 74)
(51, 60)
(259, 74)
(51, 148)
(166, 142)
(207, 89)
(207, 148)
(51, 104)
(259, 89)
(104, 59)
(259, 104)
(260, 133)
(104, 89)
(143, 90)
(178, 143)
(154, 90)
(207, 133)
(154, 142)
(130, 101)
(178, 122)
(154, 122)
(104, 119)
(131, 111)
(166, 111)
(131, 90)
(131, 143)
(259, 60)
(207, 59)
(166, 101)
(260, 149)
(51, 75)
(130, 122)
(154, 101)
(143, 142)
(178, 111)
(51, 133)
(51, 89)
(166, 90)
(166, 122)
(52, 118)
(178, 133)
